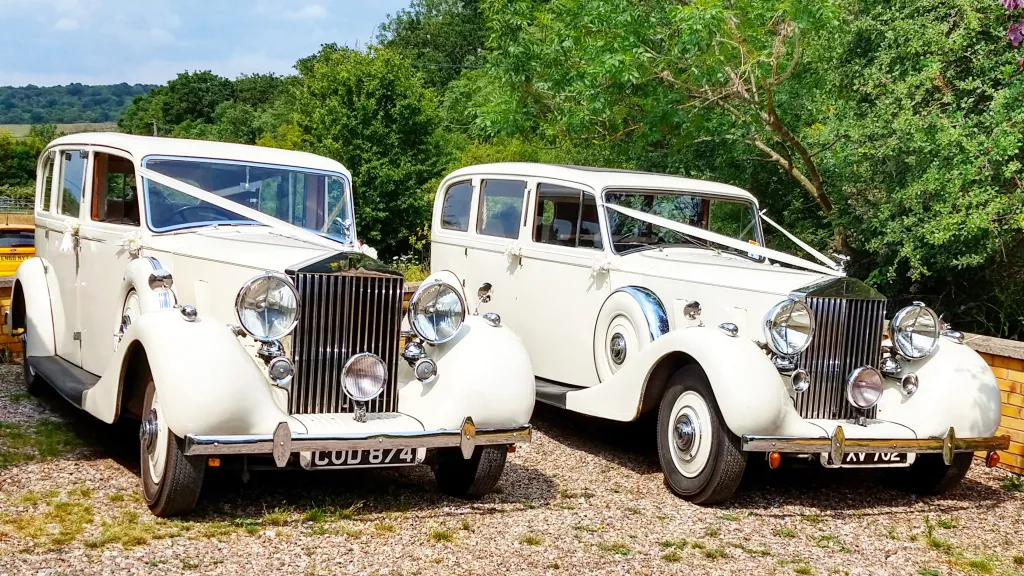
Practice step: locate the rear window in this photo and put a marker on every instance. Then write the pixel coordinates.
(17, 238)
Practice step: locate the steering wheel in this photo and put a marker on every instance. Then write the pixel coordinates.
(217, 213)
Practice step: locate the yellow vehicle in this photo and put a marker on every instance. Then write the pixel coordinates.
(17, 243)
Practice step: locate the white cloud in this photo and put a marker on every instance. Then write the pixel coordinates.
(307, 12)
(66, 24)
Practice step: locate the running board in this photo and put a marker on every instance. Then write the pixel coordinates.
(66, 378)
(553, 393)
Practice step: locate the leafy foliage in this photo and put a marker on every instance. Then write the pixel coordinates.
(65, 104)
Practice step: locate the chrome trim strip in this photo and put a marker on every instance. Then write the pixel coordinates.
(652, 307)
(839, 444)
(283, 442)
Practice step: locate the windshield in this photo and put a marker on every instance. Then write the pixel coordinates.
(734, 218)
(317, 201)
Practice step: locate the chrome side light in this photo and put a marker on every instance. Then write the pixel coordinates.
(363, 377)
(909, 383)
(800, 380)
(864, 387)
(281, 371)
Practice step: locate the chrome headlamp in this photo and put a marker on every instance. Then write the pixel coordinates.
(268, 307)
(789, 327)
(364, 376)
(915, 331)
(436, 312)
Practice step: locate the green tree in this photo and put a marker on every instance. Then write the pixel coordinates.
(370, 111)
(441, 37)
(195, 96)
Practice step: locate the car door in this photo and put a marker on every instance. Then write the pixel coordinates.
(62, 255)
(110, 216)
(559, 289)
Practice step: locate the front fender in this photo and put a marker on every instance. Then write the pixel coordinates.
(955, 388)
(484, 372)
(33, 288)
(206, 381)
(750, 393)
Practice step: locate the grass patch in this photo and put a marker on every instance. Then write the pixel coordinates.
(315, 515)
(946, 523)
(350, 532)
(531, 540)
(698, 545)
(585, 528)
(929, 572)
(677, 544)
(1013, 483)
(20, 397)
(220, 529)
(933, 541)
(785, 533)
(980, 566)
(43, 440)
(116, 497)
(442, 535)
(671, 556)
(712, 531)
(617, 548)
(1018, 560)
(715, 553)
(573, 494)
(385, 527)
(250, 525)
(129, 530)
(730, 517)
(60, 523)
(751, 551)
(799, 565)
(277, 517)
(466, 525)
(812, 519)
(350, 512)
(803, 569)
(831, 542)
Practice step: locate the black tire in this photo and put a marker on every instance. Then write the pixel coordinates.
(929, 475)
(720, 477)
(176, 491)
(34, 383)
(470, 479)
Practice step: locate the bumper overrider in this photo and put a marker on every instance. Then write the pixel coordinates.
(838, 445)
(283, 442)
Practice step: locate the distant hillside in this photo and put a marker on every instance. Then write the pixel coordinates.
(66, 104)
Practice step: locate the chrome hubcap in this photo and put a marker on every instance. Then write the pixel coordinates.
(148, 432)
(617, 348)
(686, 434)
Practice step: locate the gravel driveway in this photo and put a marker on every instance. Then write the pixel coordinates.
(585, 497)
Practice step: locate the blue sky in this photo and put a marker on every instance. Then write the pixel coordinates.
(48, 42)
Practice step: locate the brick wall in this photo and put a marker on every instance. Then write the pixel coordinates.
(1006, 357)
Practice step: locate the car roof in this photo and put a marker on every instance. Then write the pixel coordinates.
(141, 146)
(602, 178)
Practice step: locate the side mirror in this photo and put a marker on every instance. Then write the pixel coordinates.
(483, 295)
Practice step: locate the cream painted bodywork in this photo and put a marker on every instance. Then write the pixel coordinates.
(211, 381)
(541, 296)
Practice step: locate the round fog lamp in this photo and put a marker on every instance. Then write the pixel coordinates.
(864, 388)
(801, 381)
(425, 369)
(363, 377)
(909, 383)
(280, 370)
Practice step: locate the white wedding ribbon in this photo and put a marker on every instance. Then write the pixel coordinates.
(289, 230)
(70, 237)
(601, 265)
(724, 240)
(132, 243)
(807, 247)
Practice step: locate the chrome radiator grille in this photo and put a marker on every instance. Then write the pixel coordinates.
(848, 334)
(340, 316)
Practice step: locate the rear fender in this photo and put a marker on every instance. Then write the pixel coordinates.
(32, 303)
(749, 391)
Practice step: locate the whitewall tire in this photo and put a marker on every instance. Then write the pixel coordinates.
(171, 481)
(700, 457)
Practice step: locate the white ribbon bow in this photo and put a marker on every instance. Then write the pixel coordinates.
(366, 249)
(601, 265)
(70, 238)
(513, 250)
(132, 243)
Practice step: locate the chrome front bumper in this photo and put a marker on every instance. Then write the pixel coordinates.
(283, 442)
(838, 445)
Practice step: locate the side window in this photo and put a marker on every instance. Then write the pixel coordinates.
(115, 196)
(558, 213)
(590, 225)
(501, 208)
(455, 209)
(47, 183)
(73, 174)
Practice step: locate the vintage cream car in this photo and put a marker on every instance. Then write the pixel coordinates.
(218, 294)
(641, 292)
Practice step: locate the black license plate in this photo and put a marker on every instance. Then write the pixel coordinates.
(364, 458)
(874, 459)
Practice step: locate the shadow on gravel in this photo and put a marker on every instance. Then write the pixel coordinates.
(361, 491)
(633, 446)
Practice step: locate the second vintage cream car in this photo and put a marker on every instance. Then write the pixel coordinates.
(218, 294)
(639, 293)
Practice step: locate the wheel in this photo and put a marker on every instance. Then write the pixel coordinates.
(700, 457)
(929, 475)
(471, 479)
(170, 480)
(34, 383)
(621, 333)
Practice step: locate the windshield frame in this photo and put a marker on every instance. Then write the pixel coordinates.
(353, 241)
(758, 231)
